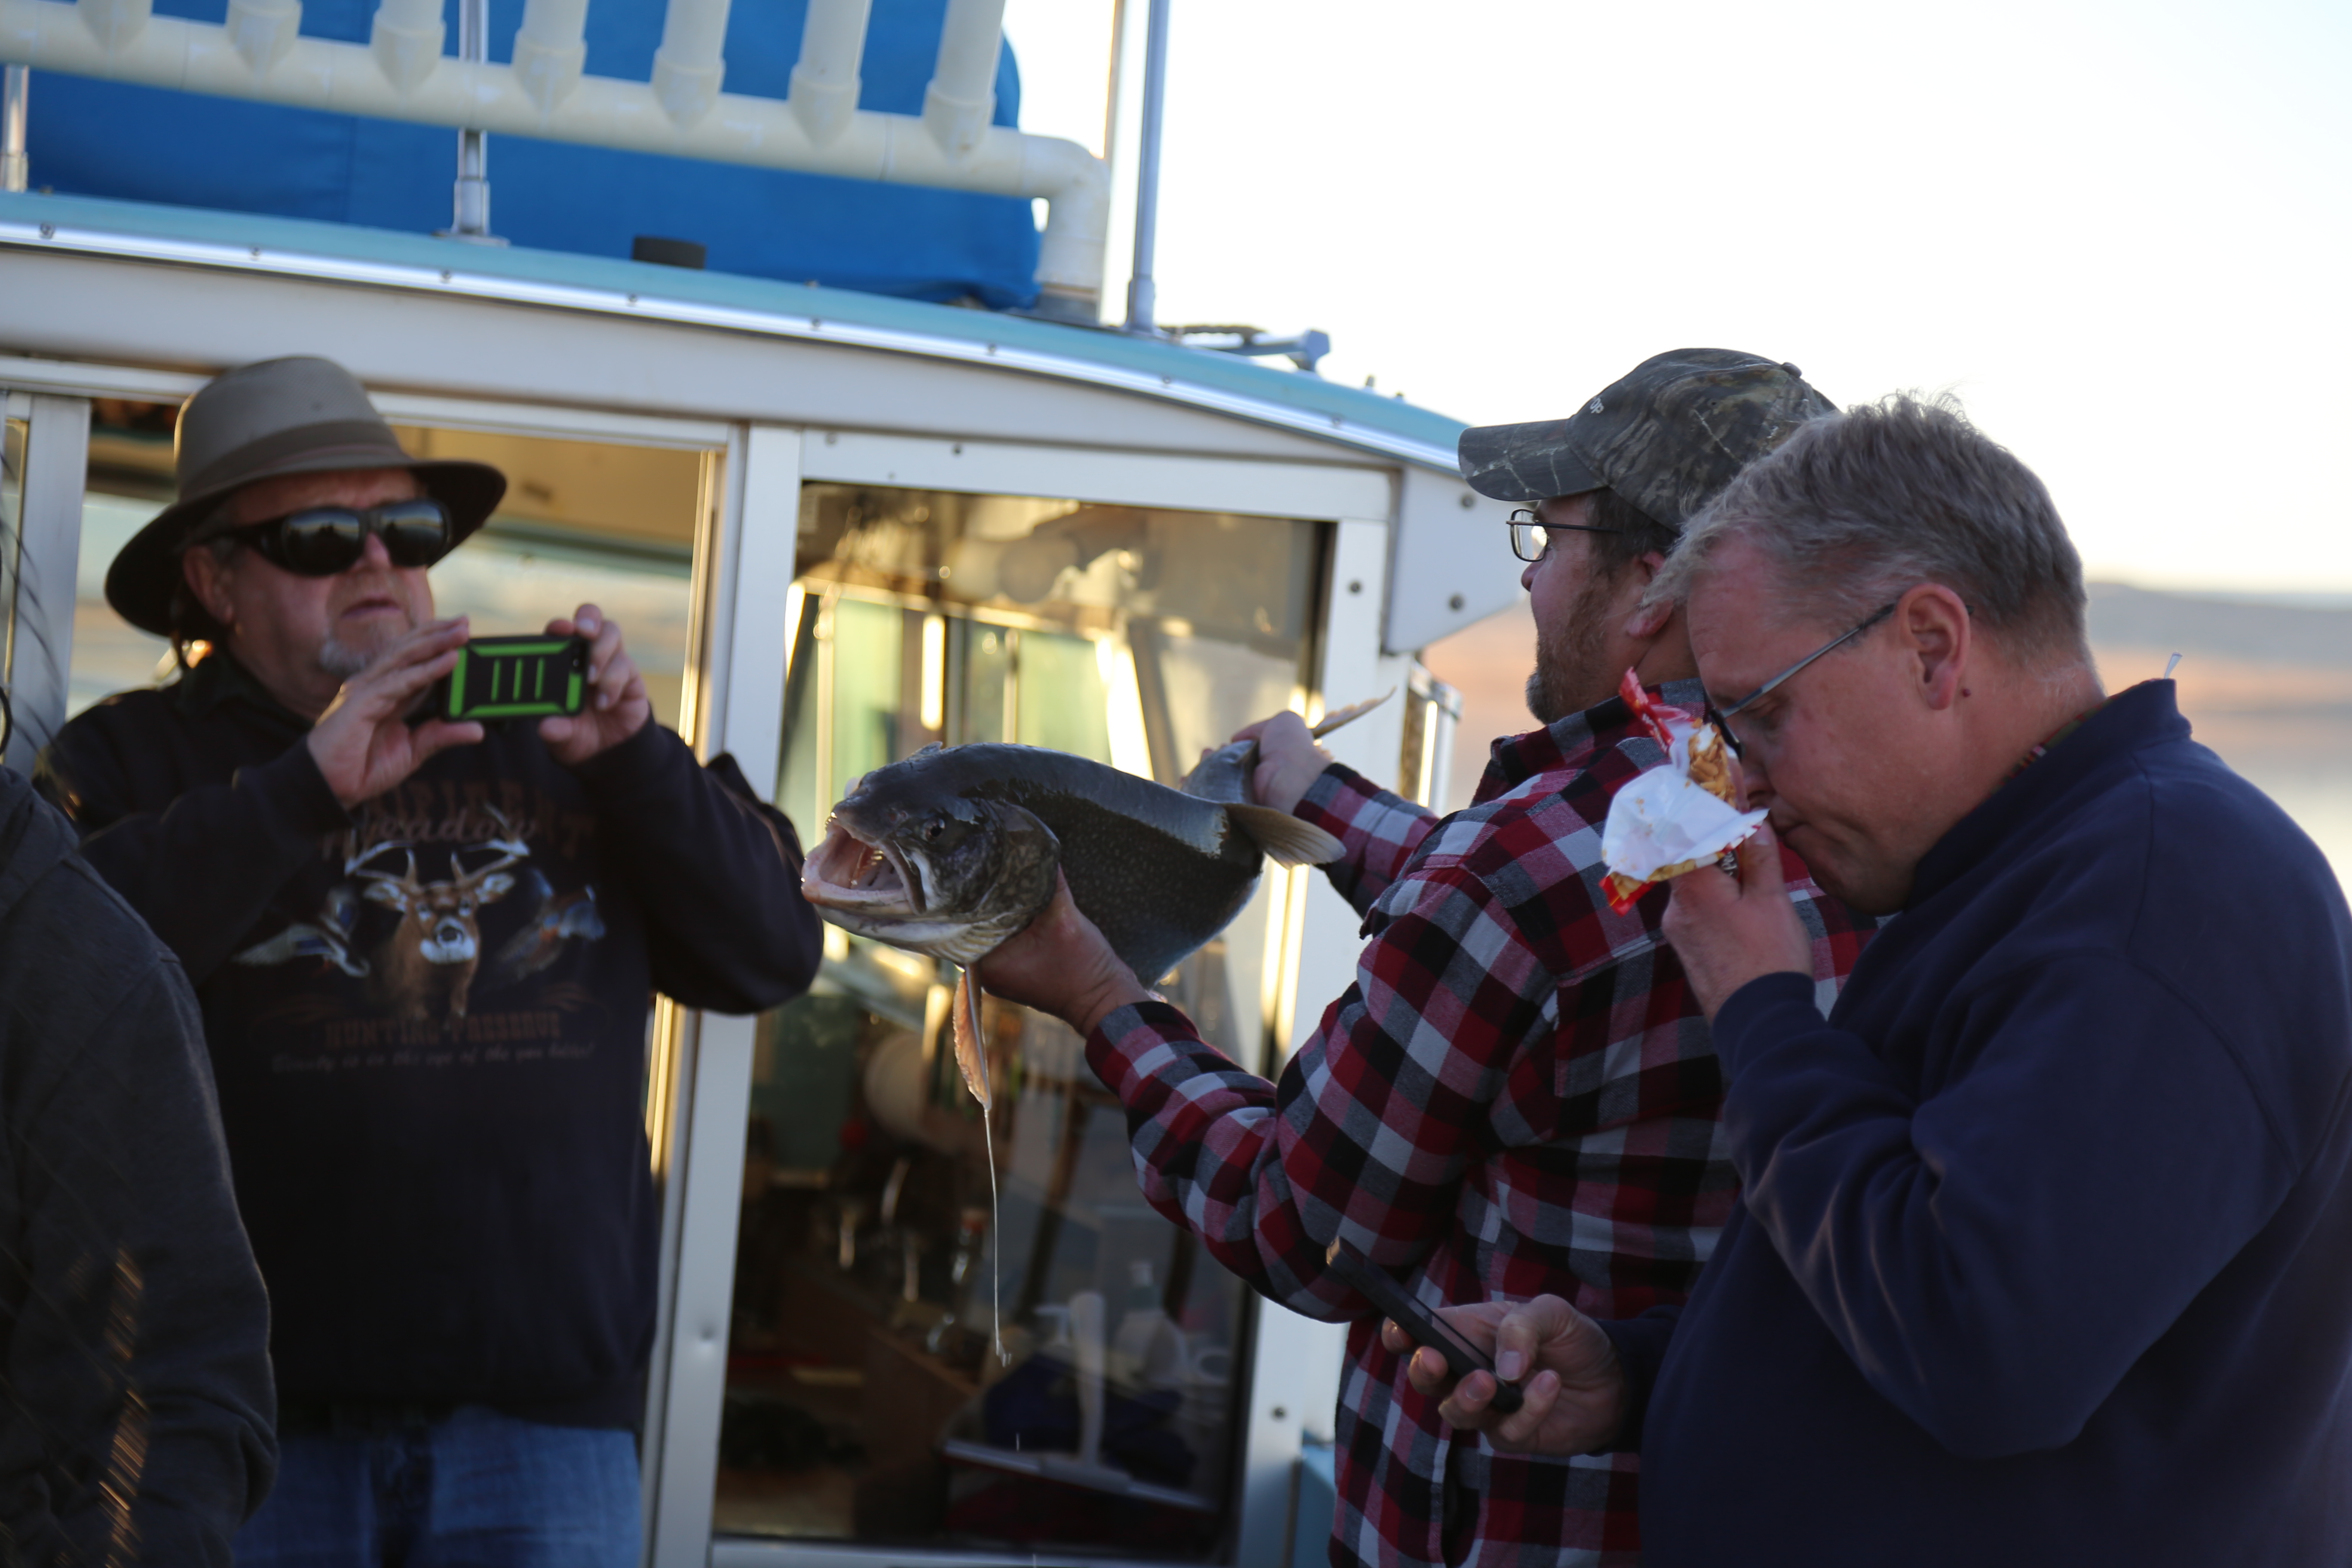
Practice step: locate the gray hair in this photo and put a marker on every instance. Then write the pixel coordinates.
(1855, 509)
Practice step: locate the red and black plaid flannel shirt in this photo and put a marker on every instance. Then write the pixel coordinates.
(1518, 1095)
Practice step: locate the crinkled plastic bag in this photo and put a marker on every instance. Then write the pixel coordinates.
(1676, 817)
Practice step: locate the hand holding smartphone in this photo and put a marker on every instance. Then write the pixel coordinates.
(1462, 1358)
(511, 677)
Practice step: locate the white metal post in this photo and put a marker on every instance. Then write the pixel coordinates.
(470, 219)
(1295, 1362)
(48, 546)
(739, 709)
(15, 87)
(1142, 292)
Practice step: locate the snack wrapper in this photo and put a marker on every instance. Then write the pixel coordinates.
(1674, 818)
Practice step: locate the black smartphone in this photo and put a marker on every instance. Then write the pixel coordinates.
(1396, 1302)
(513, 677)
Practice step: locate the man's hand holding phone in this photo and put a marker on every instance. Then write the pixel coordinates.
(616, 706)
(364, 742)
(1574, 1402)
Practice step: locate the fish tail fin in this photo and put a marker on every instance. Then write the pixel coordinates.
(972, 1058)
(1349, 714)
(1285, 839)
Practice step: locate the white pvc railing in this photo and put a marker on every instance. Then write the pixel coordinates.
(402, 74)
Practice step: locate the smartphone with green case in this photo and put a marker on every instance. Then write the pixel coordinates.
(513, 677)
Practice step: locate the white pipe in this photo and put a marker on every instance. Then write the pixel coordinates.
(551, 49)
(115, 22)
(471, 200)
(826, 80)
(407, 40)
(961, 99)
(603, 112)
(15, 87)
(263, 31)
(689, 66)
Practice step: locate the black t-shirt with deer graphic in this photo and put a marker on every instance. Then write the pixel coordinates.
(428, 1020)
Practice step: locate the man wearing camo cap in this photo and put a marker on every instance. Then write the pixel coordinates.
(1518, 1095)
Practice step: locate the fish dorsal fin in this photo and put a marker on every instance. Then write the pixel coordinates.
(972, 1058)
(1349, 714)
(1286, 840)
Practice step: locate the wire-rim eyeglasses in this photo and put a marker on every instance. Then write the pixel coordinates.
(1721, 717)
(1530, 533)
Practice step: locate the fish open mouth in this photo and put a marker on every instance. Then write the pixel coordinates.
(845, 872)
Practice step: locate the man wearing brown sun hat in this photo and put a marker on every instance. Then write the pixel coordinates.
(424, 951)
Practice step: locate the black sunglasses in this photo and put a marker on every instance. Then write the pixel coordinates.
(322, 541)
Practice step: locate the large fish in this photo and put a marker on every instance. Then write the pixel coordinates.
(953, 849)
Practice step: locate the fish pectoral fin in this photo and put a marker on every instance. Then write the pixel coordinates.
(1352, 712)
(1285, 839)
(972, 1060)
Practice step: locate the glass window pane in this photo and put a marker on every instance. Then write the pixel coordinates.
(867, 640)
(1060, 696)
(130, 481)
(866, 1399)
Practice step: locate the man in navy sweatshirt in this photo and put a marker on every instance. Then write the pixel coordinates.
(2044, 1248)
(424, 952)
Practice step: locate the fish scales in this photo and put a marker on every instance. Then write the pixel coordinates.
(1159, 871)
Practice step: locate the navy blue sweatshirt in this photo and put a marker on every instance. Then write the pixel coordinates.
(428, 1020)
(2044, 1253)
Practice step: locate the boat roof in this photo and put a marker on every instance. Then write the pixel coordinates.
(1198, 378)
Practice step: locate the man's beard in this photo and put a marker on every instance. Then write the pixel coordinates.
(1572, 659)
(340, 659)
(344, 660)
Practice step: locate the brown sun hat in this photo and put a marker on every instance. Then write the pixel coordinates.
(262, 421)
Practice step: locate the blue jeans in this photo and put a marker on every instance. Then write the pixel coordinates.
(477, 1490)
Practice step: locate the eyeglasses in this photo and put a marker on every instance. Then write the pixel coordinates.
(321, 541)
(1531, 534)
(1722, 717)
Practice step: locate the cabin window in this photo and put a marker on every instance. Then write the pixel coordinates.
(865, 1397)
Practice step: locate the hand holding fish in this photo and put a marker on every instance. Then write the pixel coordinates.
(1061, 964)
(1289, 759)
(1727, 932)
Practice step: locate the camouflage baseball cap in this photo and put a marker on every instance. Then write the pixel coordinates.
(1666, 438)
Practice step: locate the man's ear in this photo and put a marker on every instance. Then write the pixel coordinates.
(1937, 639)
(205, 577)
(1648, 618)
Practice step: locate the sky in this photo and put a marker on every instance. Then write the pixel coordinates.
(2117, 233)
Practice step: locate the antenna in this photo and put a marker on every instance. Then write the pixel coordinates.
(1142, 290)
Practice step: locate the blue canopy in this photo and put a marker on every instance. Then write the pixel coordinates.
(141, 144)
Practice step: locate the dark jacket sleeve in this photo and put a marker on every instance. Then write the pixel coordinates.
(140, 1407)
(1995, 1256)
(716, 873)
(1640, 1345)
(201, 869)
